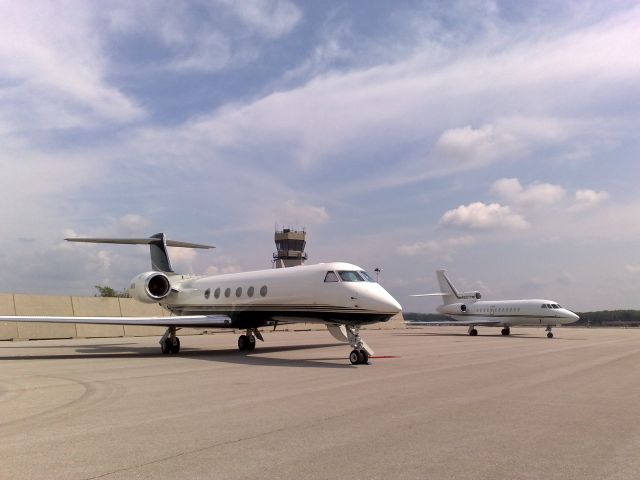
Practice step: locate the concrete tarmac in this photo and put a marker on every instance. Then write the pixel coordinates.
(441, 405)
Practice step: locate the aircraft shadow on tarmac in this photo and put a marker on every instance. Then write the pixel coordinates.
(465, 334)
(128, 350)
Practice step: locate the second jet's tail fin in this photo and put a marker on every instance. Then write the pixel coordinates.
(448, 291)
(450, 294)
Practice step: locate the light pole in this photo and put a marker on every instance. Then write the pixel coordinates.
(377, 270)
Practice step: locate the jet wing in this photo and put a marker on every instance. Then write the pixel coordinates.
(487, 323)
(179, 321)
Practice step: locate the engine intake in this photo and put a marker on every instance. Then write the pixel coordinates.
(476, 295)
(452, 309)
(150, 287)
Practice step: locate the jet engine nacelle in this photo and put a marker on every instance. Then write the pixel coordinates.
(472, 295)
(150, 287)
(453, 309)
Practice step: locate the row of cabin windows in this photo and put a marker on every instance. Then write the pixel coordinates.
(348, 276)
(500, 310)
(227, 292)
(550, 305)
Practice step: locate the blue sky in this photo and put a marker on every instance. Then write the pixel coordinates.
(495, 139)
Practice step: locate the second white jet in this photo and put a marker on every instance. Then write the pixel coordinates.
(468, 310)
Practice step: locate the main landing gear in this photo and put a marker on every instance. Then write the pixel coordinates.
(506, 331)
(361, 351)
(549, 332)
(247, 343)
(169, 343)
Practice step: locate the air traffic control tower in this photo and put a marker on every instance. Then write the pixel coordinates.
(290, 248)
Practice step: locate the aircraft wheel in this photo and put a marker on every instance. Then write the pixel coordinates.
(242, 342)
(354, 357)
(165, 347)
(473, 332)
(175, 348)
(364, 357)
(506, 331)
(549, 335)
(251, 342)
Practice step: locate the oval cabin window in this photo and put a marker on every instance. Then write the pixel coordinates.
(263, 291)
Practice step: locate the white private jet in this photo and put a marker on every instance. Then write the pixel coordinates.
(469, 310)
(339, 295)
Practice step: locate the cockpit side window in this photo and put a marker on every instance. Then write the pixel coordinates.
(331, 277)
(555, 305)
(350, 276)
(543, 305)
(366, 276)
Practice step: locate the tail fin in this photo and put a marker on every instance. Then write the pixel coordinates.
(449, 292)
(157, 245)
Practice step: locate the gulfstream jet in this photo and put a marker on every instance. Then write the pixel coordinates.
(339, 295)
(468, 310)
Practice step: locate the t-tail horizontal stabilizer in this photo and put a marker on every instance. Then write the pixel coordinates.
(158, 244)
(448, 291)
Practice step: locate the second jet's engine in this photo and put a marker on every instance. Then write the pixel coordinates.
(150, 287)
(471, 295)
(452, 309)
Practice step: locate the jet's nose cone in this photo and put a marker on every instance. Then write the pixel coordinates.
(571, 316)
(394, 306)
(386, 303)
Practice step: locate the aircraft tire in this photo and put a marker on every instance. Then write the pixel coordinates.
(242, 342)
(354, 357)
(364, 357)
(175, 348)
(506, 331)
(251, 343)
(165, 347)
(473, 332)
(549, 335)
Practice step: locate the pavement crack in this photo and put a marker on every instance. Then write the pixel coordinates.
(188, 452)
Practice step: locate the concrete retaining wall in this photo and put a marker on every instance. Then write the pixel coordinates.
(19, 304)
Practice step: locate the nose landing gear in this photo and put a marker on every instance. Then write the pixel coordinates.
(357, 357)
(549, 332)
(361, 351)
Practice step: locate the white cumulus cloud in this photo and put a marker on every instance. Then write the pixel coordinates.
(481, 216)
(271, 18)
(443, 248)
(586, 199)
(303, 213)
(634, 269)
(133, 223)
(468, 144)
(534, 195)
